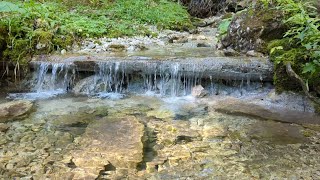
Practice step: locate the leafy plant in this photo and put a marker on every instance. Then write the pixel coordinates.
(37, 27)
(304, 33)
(223, 26)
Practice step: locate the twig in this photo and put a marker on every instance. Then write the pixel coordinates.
(305, 88)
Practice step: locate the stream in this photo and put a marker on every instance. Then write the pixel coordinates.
(112, 124)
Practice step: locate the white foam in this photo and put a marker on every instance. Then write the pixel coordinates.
(110, 95)
(36, 95)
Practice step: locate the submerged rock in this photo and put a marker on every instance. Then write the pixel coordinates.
(14, 109)
(115, 142)
(160, 114)
(238, 107)
(4, 127)
(277, 133)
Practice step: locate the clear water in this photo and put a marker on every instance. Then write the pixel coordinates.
(183, 137)
(194, 141)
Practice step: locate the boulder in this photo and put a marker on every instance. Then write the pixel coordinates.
(252, 29)
(14, 109)
(109, 142)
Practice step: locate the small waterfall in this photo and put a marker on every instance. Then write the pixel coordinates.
(163, 79)
(175, 82)
(54, 77)
(110, 79)
(49, 80)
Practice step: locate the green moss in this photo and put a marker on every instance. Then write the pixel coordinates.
(167, 142)
(308, 133)
(281, 79)
(62, 41)
(42, 40)
(19, 51)
(285, 43)
(227, 16)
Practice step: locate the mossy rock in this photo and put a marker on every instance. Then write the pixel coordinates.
(254, 28)
(42, 40)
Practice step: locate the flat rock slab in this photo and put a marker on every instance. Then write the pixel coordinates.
(277, 133)
(109, 142)
(229, 68)
(238, 107)
(14, 109)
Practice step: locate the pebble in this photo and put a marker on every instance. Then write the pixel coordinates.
(63, 51)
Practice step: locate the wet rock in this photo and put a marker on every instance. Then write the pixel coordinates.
(253, 53)
(91, 45)
(3, 139)
(116, 142)
(238, 107)
(4, 127)
(203, 45)
(63, 51)
(214, 131)
(140, 47)
(117, 47)
(277, 133)
(176, 39)
(85, 86)
(230, 52)
(199, 92)
(14, 109)
(201, 37)
(161, 114)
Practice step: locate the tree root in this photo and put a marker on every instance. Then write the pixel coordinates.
(305, 88)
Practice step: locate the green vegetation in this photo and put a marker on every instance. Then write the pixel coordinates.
(301, 43)
(223, 27)
(34, 27)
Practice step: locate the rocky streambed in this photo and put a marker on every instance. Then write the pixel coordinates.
(147, 137)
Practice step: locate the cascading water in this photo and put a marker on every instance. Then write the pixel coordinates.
(49, 80)
(111, 77)
(114, 79)
(54, 77)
